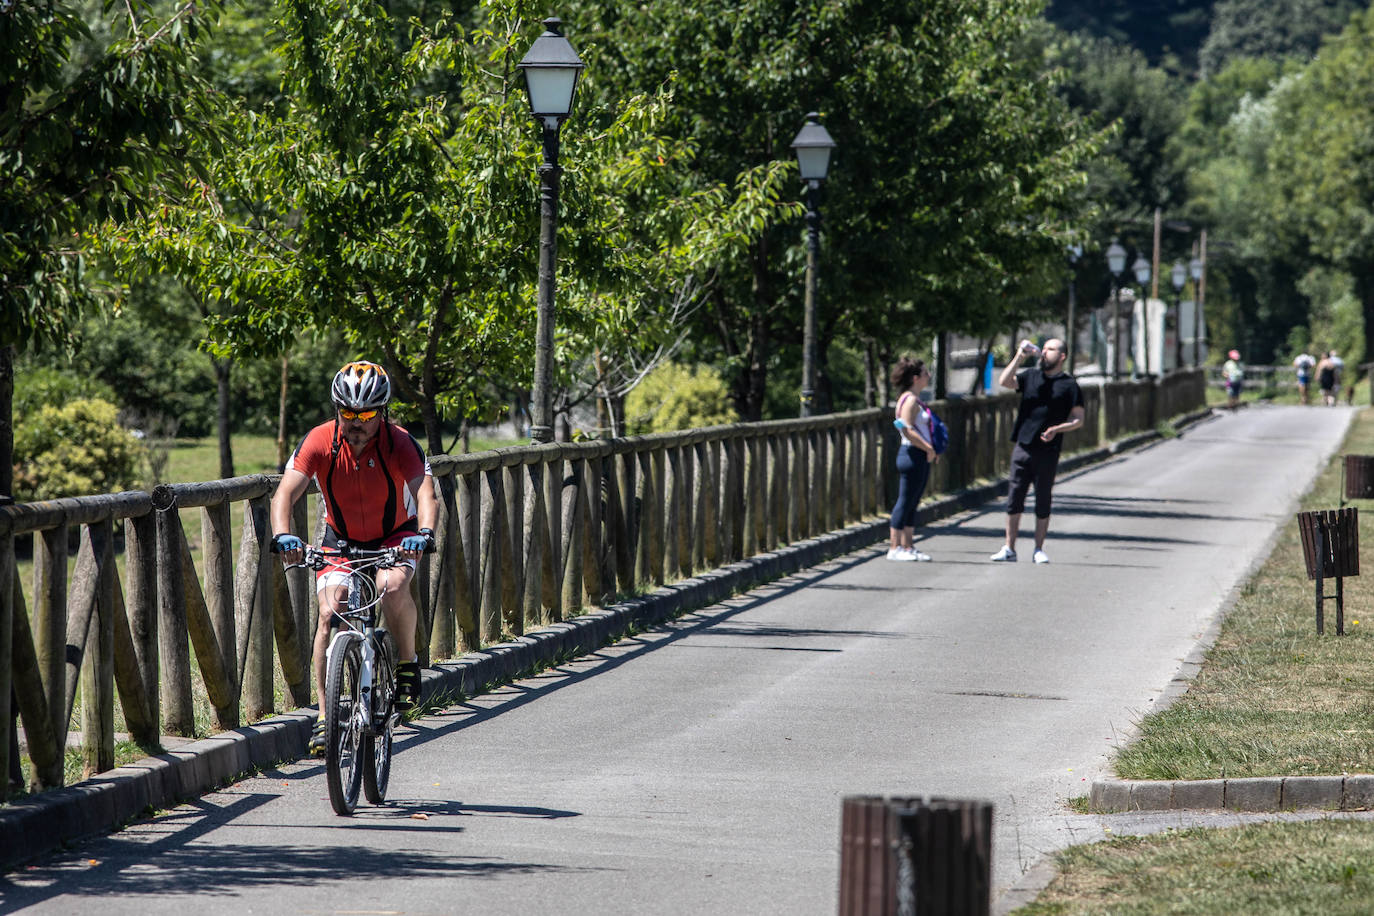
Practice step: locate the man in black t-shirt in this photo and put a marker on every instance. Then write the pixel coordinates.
(1051, 403)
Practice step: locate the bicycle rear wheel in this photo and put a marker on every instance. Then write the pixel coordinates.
(344, 726)
(377, 757)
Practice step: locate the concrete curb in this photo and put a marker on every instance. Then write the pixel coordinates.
(31, 827)
(1253, 794)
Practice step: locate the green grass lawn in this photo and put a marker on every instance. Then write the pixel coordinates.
(1322, 868)
(1272, 698)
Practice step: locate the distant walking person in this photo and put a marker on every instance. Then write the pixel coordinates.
(1304, 363)
(1234, 374)
(1051, 404)
(1329, 377)
(914, 457)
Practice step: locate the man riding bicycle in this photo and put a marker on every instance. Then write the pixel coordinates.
(378, 492)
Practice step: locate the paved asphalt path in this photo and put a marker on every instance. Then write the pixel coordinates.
(699, 768)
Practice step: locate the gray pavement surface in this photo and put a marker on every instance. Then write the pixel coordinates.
(699, 767)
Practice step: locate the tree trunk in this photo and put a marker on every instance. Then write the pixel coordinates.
(223, 367)
(7, 424)
(281, 415)
(941, 365)
(870, 373)
(756, 364)
(1364, 289)
(434, 433)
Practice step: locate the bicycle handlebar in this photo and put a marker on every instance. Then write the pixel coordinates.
(318, 558)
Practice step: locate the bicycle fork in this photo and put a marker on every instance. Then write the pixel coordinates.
(365, 670)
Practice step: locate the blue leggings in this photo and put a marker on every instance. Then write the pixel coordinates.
(913, 470)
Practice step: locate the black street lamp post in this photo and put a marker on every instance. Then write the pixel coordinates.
(1116, 264)
(1195, 271)
(1070, 337)
(813, 145)
(1141, 268)
(551, 68)
(1178, 276)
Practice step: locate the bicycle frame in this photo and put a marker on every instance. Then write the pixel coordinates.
(360, 713)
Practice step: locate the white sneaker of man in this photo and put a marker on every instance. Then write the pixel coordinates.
(901, 555)
(920, 557)
(1005, 555)
(1040, 556)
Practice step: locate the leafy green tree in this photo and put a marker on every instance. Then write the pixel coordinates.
(81, 134)
(955, 166)
(1319, 165)
(390, 195)
(75, 450)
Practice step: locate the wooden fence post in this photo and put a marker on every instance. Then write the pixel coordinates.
(494, 569)
(98, 664)
(175, 649)
(141, 604)
(50, 626)
(468, 588)
(255, 618)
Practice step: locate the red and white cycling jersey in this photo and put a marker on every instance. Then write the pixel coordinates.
(366, 498)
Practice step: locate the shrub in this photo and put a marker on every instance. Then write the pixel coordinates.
(676, 397)
(76, 450)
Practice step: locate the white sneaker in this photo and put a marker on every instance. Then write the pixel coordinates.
(920, 557)
(901, 555)
(1040, 557)
(1005, 555)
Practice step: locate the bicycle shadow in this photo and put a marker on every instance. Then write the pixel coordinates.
(174, 865)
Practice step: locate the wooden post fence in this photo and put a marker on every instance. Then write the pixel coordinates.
(525, 537)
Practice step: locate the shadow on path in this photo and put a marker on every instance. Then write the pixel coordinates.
(170, 866)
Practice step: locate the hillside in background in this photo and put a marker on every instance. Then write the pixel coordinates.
(1160, 29)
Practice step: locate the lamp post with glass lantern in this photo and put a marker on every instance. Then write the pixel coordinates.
(812, 145)
(1075, 253)
(1116, 264)
(1195, 271)
(1178, 276)
(551, 68)
(1141, 268)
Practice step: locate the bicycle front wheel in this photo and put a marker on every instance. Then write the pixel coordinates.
(344, 726)
(377, 757)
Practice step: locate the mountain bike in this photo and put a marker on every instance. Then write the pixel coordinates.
(360, 681)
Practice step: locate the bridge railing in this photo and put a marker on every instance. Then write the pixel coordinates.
(526, 536)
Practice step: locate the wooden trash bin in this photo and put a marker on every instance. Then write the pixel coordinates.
(1359, 476)
(915, 857)
(1331, 548)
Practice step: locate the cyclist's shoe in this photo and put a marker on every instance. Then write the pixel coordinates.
(407, 685)
(317, 741)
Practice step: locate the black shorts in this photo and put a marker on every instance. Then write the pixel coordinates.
(1032, 465)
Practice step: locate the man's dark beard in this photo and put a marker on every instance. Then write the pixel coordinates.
(1047, 366)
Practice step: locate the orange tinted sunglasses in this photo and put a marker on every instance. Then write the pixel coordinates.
(363, 415)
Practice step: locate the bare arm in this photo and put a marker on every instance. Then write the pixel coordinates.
(1074, 421)
(293, 485)
(426, 507)
(1008, 377)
